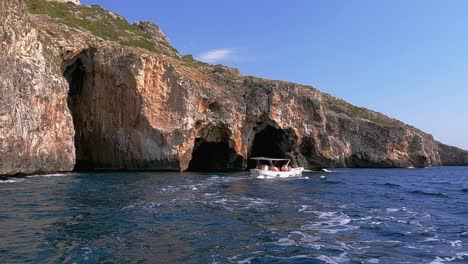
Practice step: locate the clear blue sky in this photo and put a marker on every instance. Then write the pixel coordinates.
(407, 59)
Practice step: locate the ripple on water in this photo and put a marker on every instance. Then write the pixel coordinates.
(202, 218)
(434, 194)
(391, 185)
(333, 182)
(329, 222)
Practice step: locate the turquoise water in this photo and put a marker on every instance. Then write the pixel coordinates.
(353, 216)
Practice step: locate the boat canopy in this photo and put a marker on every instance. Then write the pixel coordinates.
(268, 159)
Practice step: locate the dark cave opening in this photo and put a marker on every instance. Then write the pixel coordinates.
(214, 156)
(271, 142)
(75, 72)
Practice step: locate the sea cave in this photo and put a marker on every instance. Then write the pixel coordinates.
(271, 142)
(77, 72)
(214, 156)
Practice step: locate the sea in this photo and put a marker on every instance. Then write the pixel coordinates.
(348, 216)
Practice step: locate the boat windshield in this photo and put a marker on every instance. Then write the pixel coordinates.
(268, 159)
(271, 161)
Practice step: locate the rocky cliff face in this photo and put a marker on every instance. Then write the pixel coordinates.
(125, 99)
(36, 130)
(76, 2)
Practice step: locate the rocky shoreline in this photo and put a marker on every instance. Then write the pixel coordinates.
(88, 90)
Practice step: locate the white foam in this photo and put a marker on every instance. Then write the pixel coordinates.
(333, 259)
(458, 256)
(51, 175)
(440, 260)
(456, 243)
(292, 257)
(12, 180)
(331, 222)
(415, 223)
(245, 261)
(128, 207)
(434, 238)
(335, 218)
(284, 242)
(392, 210)
(305, 237)
(306, 209)
(381, 241)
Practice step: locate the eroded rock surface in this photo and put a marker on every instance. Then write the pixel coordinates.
(76, 2)
(36, 130)
(137, 104)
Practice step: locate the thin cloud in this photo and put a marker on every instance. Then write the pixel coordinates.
(217, 55)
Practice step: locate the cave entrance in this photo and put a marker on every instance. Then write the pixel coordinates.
(77, 72)
(273, 143)
(214, 156)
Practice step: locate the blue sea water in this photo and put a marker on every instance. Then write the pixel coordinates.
(352, 216)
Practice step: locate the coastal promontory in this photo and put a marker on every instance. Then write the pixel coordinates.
(82, 88)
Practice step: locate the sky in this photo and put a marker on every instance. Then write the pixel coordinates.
(406, 59)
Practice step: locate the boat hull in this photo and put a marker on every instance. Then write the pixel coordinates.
(259, 173)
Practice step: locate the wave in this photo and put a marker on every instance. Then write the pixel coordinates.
(392, 210)
(464, 190)
(11, 180)
(332, 259)
(392, 185)
(429, 193)
(333, 182)
(329, 222)
(50, 175)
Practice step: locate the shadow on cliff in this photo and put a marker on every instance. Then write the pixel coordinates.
(111, 133)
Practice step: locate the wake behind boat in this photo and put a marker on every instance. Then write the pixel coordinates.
(269, 168)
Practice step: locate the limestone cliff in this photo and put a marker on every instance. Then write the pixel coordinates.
(137, 104)
(76, 2)
(36, 130)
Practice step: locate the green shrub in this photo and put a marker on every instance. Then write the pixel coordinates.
(95, 19)
(191, 62)
(359, 112)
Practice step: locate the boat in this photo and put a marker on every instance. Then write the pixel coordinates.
(271, 170)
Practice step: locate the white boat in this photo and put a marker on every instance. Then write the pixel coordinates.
(264, 171)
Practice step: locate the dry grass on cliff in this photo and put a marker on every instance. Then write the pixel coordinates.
(359, 112)
(95, 19)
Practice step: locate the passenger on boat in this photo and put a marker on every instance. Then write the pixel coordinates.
(274, 168)
(265, 167)
(285, 168)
